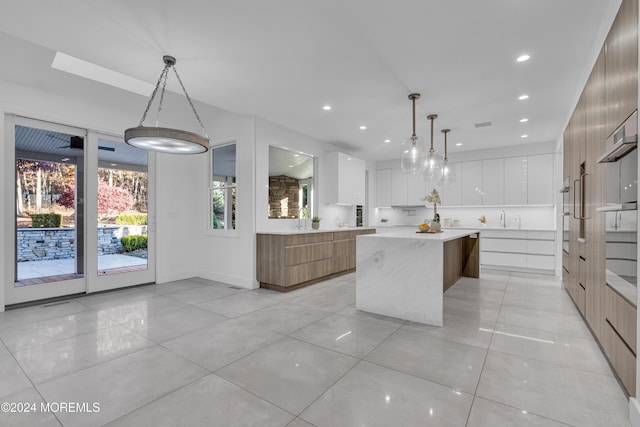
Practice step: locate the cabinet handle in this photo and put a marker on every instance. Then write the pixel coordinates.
(582, 189)
(574, 199)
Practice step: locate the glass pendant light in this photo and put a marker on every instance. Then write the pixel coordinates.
(433, 161)
(448, 171)
(413, 148)
(167, 140)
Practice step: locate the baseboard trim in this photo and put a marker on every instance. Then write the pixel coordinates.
(243, 282)
(634, 412)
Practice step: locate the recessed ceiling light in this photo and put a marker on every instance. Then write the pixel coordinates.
(363, 127)
(88, 70)
(296, 155)
(524, 120)
(523, 58)
(114, 164)
(523, 97)
(65, 159)
(459, 144)
(326, 107)
(387, 141)
(524, 136)
(290, 166)
(348, 158)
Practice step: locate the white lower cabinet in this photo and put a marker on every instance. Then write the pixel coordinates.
(517, 250)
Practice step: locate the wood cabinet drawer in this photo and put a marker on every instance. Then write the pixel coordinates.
(302, 239)
(306, 253)
(344, 235)
(344, 263)
(580, 297)
(309, 271)
(344, 247)
(621, 357)
(621, 315)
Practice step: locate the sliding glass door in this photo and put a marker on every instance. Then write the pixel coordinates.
(83, 212)
(122, 215)
(49, 255)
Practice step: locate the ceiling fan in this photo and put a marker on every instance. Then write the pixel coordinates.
(77, 142)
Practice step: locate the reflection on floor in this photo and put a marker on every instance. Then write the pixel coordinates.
(513, 351)
(28, 271)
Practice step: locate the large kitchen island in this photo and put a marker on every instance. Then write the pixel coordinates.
(404, 274)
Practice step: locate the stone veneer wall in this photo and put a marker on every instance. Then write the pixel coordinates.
(36, 244)
(281, 187)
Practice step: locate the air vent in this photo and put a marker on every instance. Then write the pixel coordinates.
(483, 124)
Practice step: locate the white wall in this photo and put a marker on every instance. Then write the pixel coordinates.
(181, 180)
(267, 134)
(222, 255)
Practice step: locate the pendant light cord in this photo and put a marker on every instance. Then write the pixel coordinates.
(162, 80)
(190, 102)
(431, 150)
(445, 143)
(413, 136)
(153, 95)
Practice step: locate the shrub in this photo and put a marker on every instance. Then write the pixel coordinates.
(46, 220)
(131, 219)
(131, 243)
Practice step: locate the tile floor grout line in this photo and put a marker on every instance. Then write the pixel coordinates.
(32, 385)
(486, 355)
(528, 411)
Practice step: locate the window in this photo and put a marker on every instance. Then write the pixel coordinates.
(223, 190)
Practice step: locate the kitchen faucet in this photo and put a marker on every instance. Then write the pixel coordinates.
(503, 219)
(300, 225)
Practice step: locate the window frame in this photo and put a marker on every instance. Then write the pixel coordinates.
(222, 232)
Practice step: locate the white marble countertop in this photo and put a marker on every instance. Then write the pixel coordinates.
(625, 289)
(320, 230)
(472, 228)
(446, 235)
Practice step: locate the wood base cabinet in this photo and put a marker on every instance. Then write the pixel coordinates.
(619, 337)
(291, 261)
(608, 99)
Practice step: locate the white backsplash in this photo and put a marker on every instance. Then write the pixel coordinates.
(530, 216)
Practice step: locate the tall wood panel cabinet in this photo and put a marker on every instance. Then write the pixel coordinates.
(608, 99)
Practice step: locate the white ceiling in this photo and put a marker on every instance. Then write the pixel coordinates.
(284, 59)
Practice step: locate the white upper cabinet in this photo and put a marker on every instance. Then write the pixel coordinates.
(358, 175)
(415, 190)
(344, 179)
(398, 187)
(524, 180)
(472, 183)
(515, 180)
(540, 179)
(452, 194)
(493, 182)
(383, 188)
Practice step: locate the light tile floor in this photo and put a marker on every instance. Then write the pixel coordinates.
(513, 351)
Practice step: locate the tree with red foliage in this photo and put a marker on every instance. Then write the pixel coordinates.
(111, 200)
